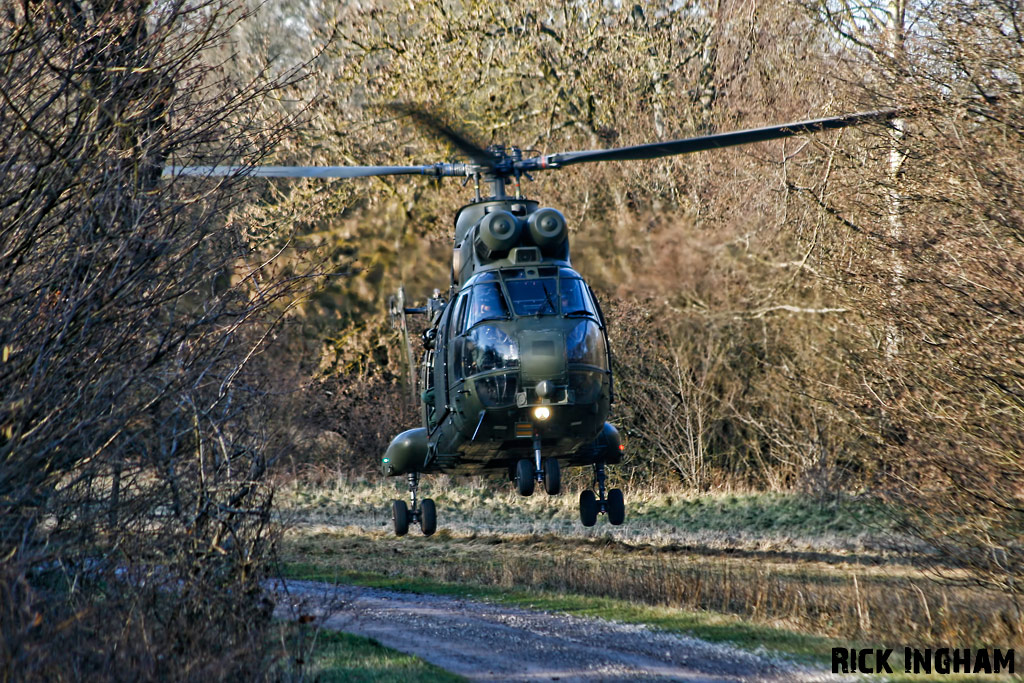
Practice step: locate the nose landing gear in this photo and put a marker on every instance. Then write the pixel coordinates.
(423, 513)
(545, 470)
(613, 505)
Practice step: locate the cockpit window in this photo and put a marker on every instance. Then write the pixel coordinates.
(486, 276)
(488, 303)
(534, 297)
(484, 349)
(585, 345)
(575, 299)
(459, 314)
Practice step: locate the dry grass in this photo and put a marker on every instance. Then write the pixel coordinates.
(841, 586)
(721, 520)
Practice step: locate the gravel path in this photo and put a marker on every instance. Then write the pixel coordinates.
(488, 642)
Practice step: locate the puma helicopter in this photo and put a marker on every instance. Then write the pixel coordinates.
(516, 372)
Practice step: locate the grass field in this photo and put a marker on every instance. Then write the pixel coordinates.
(326, 656)
(763, 520)
(776, 571)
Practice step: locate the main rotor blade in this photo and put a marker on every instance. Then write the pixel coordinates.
(655, 150)
(475, 152)
(315, 171)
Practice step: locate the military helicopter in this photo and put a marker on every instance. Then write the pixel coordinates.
(516, 373)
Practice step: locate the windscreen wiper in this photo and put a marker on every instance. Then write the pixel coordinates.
(547, 296)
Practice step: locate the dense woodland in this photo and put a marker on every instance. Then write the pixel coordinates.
(838, 314)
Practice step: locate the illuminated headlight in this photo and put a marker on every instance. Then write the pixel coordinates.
(542, 412)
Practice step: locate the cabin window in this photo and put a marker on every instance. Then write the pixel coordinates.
(428, 367)
(428, 395)
(534, 297)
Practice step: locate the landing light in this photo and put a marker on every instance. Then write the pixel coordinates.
(542, 412)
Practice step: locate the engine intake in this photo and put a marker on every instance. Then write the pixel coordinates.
(547, 227)
(500, 231)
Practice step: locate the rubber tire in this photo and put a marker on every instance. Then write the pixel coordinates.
(400, 515)
(428, 517)
(552, 477)
(616, 507)
(525, 477)
(588, 508)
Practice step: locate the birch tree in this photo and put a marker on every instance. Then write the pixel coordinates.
(941, 396)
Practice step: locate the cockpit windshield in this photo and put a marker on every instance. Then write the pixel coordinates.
(534, 297)
(568, 295)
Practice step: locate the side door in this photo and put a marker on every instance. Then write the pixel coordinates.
(450, 375)
(607, 343)
(428, 399)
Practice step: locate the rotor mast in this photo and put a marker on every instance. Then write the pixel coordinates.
(501, 165)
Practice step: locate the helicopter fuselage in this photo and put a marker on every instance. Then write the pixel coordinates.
(517, 359)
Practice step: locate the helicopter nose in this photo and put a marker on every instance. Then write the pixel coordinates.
(543, 356)
(545, 388)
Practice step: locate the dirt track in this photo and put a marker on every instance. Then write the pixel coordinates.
(485, 642)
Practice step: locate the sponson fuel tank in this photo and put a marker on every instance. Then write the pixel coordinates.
(406, 453)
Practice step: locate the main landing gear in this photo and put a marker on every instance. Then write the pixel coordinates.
(545, 470)
(423, 513)
(590, 505)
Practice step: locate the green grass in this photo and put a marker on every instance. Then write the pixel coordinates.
(347, 658)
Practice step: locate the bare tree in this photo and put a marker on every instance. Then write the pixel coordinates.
(134, 426)
(944, 412)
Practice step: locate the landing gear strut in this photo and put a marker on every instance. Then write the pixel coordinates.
(423, 513)
(613, 505)
(545, 470)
